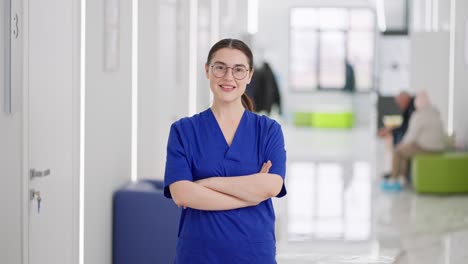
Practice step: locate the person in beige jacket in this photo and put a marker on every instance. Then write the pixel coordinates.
(425, 134)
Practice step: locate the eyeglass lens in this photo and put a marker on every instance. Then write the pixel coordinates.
(220, 70)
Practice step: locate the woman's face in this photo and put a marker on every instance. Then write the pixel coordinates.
(230, 87)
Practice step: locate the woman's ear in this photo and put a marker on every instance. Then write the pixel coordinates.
(250, 75)
(207, 69)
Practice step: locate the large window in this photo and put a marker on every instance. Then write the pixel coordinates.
(324, 40)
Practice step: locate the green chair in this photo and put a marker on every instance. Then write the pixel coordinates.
(333, 119)
(440, 173)
(302, 119)
(324, 119)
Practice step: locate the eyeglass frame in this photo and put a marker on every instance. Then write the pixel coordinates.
(232, 70)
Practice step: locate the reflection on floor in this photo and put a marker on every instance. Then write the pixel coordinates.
(321, 206)
(335, 212)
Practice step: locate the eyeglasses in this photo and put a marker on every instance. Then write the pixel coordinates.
(219, 70)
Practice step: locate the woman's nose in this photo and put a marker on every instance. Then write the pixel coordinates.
(229, 73)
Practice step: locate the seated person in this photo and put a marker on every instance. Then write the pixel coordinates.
(425, 135)
(406, 104)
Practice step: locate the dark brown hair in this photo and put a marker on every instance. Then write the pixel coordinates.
(241, 46)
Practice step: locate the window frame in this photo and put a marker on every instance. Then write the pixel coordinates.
(318, 32)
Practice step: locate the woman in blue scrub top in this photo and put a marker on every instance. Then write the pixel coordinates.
(223, 166)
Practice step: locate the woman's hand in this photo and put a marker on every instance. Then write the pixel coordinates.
(187, 194)
(384, 132)
(266, 167)
(253, 189)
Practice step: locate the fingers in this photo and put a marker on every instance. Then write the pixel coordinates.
(266, 167)
(382, 132)
(262, 170)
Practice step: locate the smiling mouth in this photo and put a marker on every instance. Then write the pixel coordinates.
(227, 88)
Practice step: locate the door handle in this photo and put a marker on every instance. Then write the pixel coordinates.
(35, 173)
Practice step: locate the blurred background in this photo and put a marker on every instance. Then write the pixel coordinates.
(90, 89)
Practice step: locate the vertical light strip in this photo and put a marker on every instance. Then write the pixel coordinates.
(252, 17)
(417, 15)
(134, 170)
(451, 91)
(435, 15)
(232, 14)
(381, 15)
(447, 246)
(82, 129)
(375, 250)
(428, 13)
(214, 29)
(25, 216)
(7, 58)
(214, 21)
(192, 95)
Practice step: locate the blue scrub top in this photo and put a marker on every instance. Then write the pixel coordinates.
(196, 150)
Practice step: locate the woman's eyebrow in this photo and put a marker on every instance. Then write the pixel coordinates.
(220, 62)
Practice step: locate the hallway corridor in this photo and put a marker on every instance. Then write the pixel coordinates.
(335, 211)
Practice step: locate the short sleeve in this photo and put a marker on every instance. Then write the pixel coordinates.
(276, 153)
(177, 164)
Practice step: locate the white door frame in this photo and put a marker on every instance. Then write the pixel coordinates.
(76, 132)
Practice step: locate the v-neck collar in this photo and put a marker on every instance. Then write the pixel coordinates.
(219, 133)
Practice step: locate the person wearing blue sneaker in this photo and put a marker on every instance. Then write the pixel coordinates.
(391, 185)
(406, 104)
(425, 135)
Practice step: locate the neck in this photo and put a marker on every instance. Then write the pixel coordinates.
(227, 111)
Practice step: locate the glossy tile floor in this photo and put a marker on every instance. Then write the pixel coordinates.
(335, 212)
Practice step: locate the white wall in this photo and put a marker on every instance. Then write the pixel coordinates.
(164, 50)
(108, 130)
(430, 62)
(162, 98)
(461, 72)
(231, 22)
(424, 17)
(10, 166)
(233, 18)
(10, 172)
(204, 43)
(429, 67)
(429, 53)
(393, 64)
(273, 25)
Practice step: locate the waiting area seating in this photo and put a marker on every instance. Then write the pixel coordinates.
(145, 224)
(440, 173)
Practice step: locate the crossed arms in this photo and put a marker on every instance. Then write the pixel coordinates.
(225, 193)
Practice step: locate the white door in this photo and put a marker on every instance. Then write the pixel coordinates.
(52, 71)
